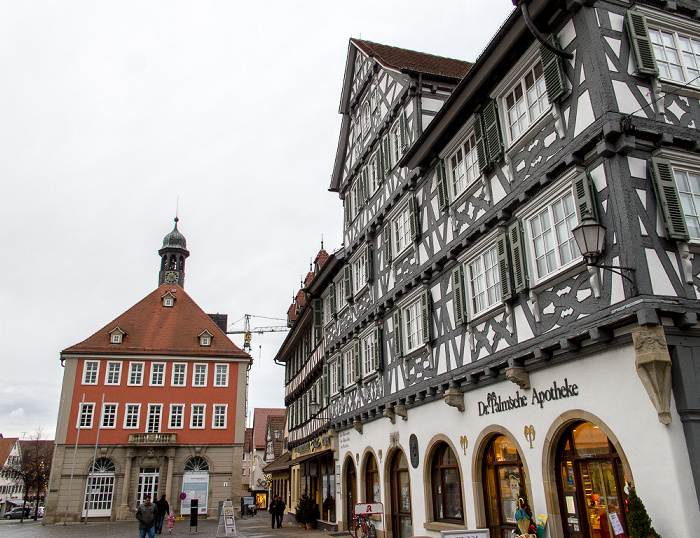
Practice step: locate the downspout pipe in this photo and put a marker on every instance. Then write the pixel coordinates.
(522, 4)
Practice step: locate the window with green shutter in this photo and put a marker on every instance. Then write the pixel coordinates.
(458, 295)
(318, 320)
(357, 363)
(369, 263)
(640, 43)
(492, 132)
(398, 337)
(583, 195)
(379, 349)
(441, 180)
(347, 283)
(332, 299)
(404, 131)
(668, 198)
(480, 138)
(517, 257)
(426, 304)
(552, 65)
(504, 272)
(387, 242)
(415, 220)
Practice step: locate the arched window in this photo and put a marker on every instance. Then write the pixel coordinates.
(99, 489)
(446, 485)
(102, 465)
(196, 464)
(401, 497)
(502, 471)
(372, 481)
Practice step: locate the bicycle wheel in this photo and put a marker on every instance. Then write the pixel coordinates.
(370, 531)
(358, 529)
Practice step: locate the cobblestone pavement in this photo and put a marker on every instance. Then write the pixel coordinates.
(252, 527)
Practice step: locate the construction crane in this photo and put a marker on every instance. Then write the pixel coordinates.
(247, 332)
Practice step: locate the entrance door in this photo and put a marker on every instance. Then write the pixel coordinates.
(350, 493)
(591, 483)
(400, 497)
(148, 484)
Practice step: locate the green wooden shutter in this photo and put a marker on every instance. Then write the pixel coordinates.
(492, 130)
(517, 257)
(440, 173)
(369, 265)
(426, 305)
(458, 295)
(339, 371)
(332, 299)
(398, 334)
(583, 193)
(415, 222)
(364, 185)
(554, 77)
(386, 151)
(346, 200)
(668, 199)
(324, 385)
(378, 350)
(640, 43)
(318, 320)
(403, 124)
(357, 362)
(379, 163)
(348, 282)
(504, 267)
(387, 242)
(480, 138)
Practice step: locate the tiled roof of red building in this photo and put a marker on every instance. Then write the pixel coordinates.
(309, 278)
(260, 423)
(321, 259)
(301, 299)
(409, 60)
(6, 446)
(152, 329)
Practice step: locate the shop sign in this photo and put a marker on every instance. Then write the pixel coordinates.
(312, 445)
(344, 440)
(497, 404)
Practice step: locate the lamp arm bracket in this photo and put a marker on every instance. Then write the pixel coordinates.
(618, 270)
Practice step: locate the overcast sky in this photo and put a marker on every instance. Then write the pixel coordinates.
(110, 111)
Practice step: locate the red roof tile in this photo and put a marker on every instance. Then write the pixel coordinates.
(6, 446)
(277, 423)
(409, 60)
(260, 423)
(152, 329)
(321, 259)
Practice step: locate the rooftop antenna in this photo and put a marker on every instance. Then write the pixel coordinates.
(311, 265)
(321, 241)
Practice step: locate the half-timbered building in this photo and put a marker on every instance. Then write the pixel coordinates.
(473, 343)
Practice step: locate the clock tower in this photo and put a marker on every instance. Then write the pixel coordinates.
(172, 258)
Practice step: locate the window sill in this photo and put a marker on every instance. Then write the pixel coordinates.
(441, 526)
(486, 314)
(672, 86)
(364, 289)
(405, 253)
(469, 190)
(524, 139)
(559, 275)
(414, 352)
(370, 377)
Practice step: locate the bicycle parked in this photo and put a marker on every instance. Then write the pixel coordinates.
(364, 528)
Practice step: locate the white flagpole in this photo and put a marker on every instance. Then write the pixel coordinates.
(94, 457)
(75, 450)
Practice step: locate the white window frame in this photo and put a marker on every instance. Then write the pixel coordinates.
(368, 351)
(359, 271)
(412, 306)
(469, 167)
(484, 248)
(224, 383)
(168, 302)
(401, 242)
(195, 374)
(333, 372)
(93, 374)
(340, 301)
(327, 314)
(205, 340)
(687, 162)
(366, 118)
(160, 417)
(215, 415)
(183, 374)
(373, 176)
(114, 415)
(172, 415)
(203, 416)
(151, 382)
(116, 338)
(86, 410)
(536, 207)
(133, 366)
(349, 365)
(127, 415)
(395, 137)
(110, 370)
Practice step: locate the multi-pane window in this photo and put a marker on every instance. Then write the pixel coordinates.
(219, 420)
(135, 373)
(359, 271)
(179, 374)
(85, 415)
(550, 233)
(154, 414)
(340, 294)
(688, 183)
(397, 141)
(446, 485)
(369, 352)
(333, 371)
(327, 311)
(402, 230)
(158, 374)
(484, 281)
(114, 372)
(677, 56)
(131, 415)
(109, 415)
(90, 372)
(199, 375)
(374, 173)
(527, 101)
(365, 119)
(221, 375)
(350, 359)
(464, 166)
(413, 326)
(197, 416)
(176, 413)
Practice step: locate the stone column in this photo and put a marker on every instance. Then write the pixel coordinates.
(170, 455)
(124, 512)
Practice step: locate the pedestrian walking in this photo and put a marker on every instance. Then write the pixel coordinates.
(163, 511)
(171, 522)
(272, 509)
(146, 513)
(279, 511)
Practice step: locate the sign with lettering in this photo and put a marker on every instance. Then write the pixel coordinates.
(498, 403)
(368, 509)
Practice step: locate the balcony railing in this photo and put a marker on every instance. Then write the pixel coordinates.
(152, 438)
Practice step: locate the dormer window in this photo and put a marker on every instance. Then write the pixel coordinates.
(205, 338)
(116, 335)
(168, 299)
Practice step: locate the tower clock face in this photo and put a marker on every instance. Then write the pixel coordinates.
(171, 277)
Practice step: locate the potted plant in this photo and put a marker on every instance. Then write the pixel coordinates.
(306, 511)
(638, 519)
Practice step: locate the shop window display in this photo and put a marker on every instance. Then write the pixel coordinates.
(501, 479)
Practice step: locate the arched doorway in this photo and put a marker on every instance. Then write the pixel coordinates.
(195, 481)
(350, 492)
(99, 490)
(446, 485)
(591, 483)
(400, 496)
(372, 494)
(501, 477)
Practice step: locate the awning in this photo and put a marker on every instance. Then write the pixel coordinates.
(280, 464)
(311, 456)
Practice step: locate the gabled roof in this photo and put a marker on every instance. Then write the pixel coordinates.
(151, 329)
(260, 424)
(276, 423)
(406, 60)
(6, 446)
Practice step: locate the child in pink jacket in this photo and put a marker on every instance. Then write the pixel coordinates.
(171, 522)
